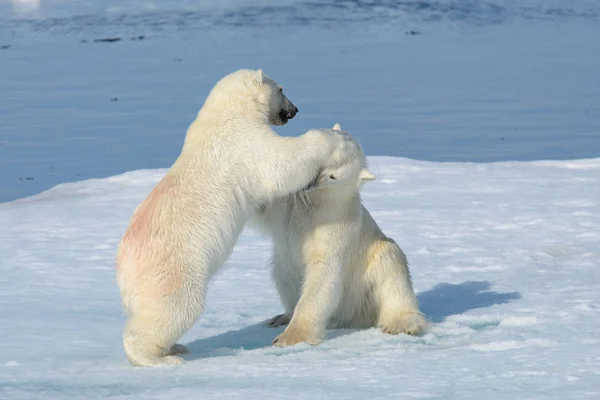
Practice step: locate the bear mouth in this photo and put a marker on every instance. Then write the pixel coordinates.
(285, 116)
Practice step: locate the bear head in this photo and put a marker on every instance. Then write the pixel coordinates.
(251, 94)
(349, 173)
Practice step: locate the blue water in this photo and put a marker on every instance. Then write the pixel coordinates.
(441, 81)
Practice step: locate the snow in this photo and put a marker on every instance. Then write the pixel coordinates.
(481, 120)
(504, 258)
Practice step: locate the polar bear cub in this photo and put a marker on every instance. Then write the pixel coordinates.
(332, 265)
(182, 233)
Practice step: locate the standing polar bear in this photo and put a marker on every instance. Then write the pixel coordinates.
(182, 233)
(332, 265)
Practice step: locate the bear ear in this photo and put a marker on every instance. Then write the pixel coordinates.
(337, 127)
(366, 175)
(260, 77)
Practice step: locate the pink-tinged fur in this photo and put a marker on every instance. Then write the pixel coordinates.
(136, 248)
(140, 226)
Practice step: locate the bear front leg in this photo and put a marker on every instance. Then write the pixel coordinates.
(320, 297)
(288, 281)
(286, 165)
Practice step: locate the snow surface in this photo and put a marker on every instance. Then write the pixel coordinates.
(504, 258)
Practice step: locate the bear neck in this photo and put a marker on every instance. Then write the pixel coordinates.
(243, 109)
(336, 198)
(213, 122)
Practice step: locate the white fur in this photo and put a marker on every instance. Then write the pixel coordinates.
(183, 232)
(332, 265)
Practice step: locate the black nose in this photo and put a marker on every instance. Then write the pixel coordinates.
(296, 109)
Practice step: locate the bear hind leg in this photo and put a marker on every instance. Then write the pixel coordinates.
(279, 320)
(146, 351)
(149, 340)
(398, 309)
(148, 345)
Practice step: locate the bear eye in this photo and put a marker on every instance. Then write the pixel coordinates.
(280, 90)
(332, 177)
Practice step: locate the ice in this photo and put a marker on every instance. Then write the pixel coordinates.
(503, 265)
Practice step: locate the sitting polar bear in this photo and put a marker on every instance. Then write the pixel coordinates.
(181, 234)
(332, 265)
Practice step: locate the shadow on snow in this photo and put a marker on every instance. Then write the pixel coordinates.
(437, 303)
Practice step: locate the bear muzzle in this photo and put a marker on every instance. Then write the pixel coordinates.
(286, 115)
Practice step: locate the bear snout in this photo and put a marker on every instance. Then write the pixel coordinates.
(285, 115)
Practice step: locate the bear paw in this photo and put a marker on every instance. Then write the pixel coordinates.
(293, 335)
(177, 349)
(410, 323)
(157, 361)
(279, 320)
(170, 360)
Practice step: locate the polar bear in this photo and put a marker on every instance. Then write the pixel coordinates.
(182, 233)
(332, 265)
